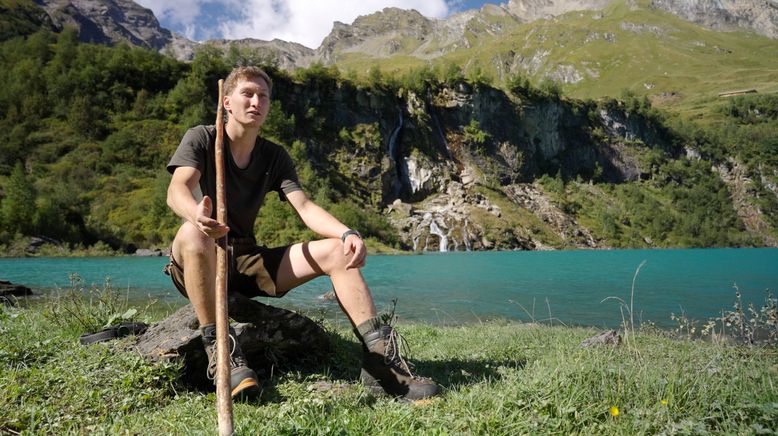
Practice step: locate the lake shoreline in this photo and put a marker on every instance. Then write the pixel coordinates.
(37, 247)
(578, 287)
(733, 326)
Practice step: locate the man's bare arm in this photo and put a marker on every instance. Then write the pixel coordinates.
(324, 224)
(183, 203)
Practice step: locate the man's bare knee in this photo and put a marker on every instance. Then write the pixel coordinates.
(334, 259)
(191, 242)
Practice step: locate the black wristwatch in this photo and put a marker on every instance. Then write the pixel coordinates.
(350, 232)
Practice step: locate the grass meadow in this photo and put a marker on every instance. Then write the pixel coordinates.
(501, 378)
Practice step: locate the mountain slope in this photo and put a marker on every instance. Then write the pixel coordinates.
(598, 53)
(393, 30)
(286, 55)
(761, 16)
(114, 21)
(21, 17)
(413, 161)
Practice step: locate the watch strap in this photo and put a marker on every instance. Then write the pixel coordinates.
(349, 232)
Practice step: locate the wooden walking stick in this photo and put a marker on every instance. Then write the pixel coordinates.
(223, 392)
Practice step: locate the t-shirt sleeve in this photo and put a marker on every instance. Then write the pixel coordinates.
(191, 152)
(286, 180)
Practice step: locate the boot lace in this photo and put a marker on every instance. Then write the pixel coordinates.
(236, 359)
(395, 346)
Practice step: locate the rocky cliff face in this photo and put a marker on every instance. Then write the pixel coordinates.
(735, 175)
(531, 10)
(288, 55)
(443, 190)
(382, 34)
(114, 21)
(760, 16)
(395, 31)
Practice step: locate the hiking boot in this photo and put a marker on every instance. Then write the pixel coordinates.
(243, 380)
(385, 370)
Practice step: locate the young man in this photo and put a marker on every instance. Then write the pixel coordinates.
(253, 167)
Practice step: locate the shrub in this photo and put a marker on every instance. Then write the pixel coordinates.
(474, 135)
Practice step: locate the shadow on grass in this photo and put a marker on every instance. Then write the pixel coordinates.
(344, 363)
(452, 373)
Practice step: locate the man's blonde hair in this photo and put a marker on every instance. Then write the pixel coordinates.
(246, 73)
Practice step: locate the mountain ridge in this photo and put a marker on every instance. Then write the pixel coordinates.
(114, 21)
(111, 22)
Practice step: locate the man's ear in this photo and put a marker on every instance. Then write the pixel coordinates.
(226, 103)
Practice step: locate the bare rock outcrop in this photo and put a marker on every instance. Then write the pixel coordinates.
(266, 334)
(741, 186)
(288, 55)
(394, 31)
(760, 16)
(610, 337)
(112, 22)
(10, 292)
(531, 198)
(530, 10)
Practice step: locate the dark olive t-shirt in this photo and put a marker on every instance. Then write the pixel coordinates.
(270, 169)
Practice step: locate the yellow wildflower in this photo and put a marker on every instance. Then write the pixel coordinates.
(614, 411)
(664, 402)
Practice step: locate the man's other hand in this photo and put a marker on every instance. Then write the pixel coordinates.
(354, 244)
(205, 223)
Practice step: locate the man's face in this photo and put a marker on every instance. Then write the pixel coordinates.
(249, 102)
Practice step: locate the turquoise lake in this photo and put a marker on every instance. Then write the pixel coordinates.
(452, 288)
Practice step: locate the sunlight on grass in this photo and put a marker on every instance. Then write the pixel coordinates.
(498, 378)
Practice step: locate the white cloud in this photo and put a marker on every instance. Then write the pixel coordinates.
(180, 14)
(303, 21)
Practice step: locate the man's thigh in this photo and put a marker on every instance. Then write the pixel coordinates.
(254, 270)
(305, 261)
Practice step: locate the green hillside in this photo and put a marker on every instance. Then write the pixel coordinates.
(86, 131)
(679, 65)
(21, 17)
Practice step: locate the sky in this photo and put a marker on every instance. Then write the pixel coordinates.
(306, 22)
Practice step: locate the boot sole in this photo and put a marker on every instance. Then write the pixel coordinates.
(246, 388)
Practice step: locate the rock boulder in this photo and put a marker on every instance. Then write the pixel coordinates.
(266, 334)
(9, 292)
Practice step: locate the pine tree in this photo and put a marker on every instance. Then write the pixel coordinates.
(18, 207)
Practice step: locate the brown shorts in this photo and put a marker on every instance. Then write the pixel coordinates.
(253, 270)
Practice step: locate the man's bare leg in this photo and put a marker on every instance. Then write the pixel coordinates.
(380, 373)
(195, 252)
(306, 261)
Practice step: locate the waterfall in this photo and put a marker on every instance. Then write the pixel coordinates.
(435, 230)
(442, 136)
(465, 237)
(400, 166)
(437, 125)
(393, 138)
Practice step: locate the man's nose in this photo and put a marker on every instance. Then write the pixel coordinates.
(255, 100)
